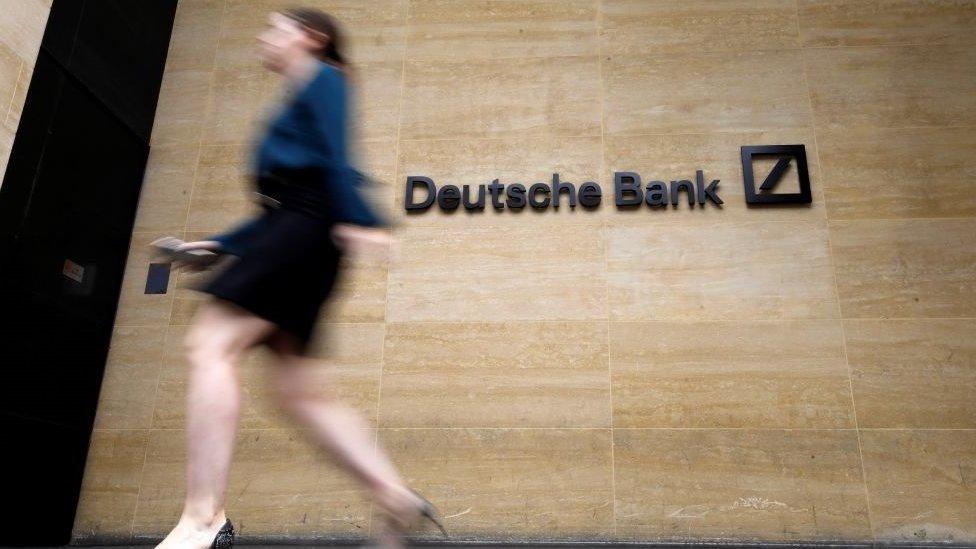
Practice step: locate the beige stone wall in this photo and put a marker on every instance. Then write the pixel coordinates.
(775, 374)
(22, 25)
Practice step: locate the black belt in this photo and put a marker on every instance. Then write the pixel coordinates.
(300, 191)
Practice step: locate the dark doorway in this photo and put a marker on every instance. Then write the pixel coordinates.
(67, 206)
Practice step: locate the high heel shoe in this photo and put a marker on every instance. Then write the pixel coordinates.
(225, 537)
(428, 511)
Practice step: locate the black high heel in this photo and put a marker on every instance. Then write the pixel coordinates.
(428, 511)
(225, 537)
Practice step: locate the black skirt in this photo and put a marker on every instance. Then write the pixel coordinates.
(285, 274)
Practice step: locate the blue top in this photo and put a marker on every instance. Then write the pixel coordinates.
(310, 132)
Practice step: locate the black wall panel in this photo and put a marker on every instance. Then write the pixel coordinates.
(70, 193)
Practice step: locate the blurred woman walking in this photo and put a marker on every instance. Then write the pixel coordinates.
(288, 262)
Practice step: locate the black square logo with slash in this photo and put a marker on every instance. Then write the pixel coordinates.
(786, 156)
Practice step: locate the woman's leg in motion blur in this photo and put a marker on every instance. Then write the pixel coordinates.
(338, 427)
(220, 333)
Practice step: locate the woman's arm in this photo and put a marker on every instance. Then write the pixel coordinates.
(326, 101)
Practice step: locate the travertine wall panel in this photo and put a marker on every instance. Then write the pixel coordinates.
(738, 373)
(22, 25)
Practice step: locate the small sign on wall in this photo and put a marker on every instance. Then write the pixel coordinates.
(73, 271)
(157, 281)
(79, 279)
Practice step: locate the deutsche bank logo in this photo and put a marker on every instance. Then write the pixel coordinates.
(786, 155)
(629, 191)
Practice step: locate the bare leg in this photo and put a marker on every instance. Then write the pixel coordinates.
(338, 427)
(214, 345)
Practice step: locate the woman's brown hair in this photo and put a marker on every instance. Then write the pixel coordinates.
(320, 22)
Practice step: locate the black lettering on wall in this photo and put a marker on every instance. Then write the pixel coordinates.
(496, 190)
(516, 196)
(466, 198)
(589, 195)
(657, 194)
(683, 185)
(627, 189)
(558, 187)
(412, 182)
(449, 197)
(706, 192)
(534, 190)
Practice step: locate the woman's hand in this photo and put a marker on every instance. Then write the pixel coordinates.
(211, 245)
(366, 241)
(194, 256)
(204, 253)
